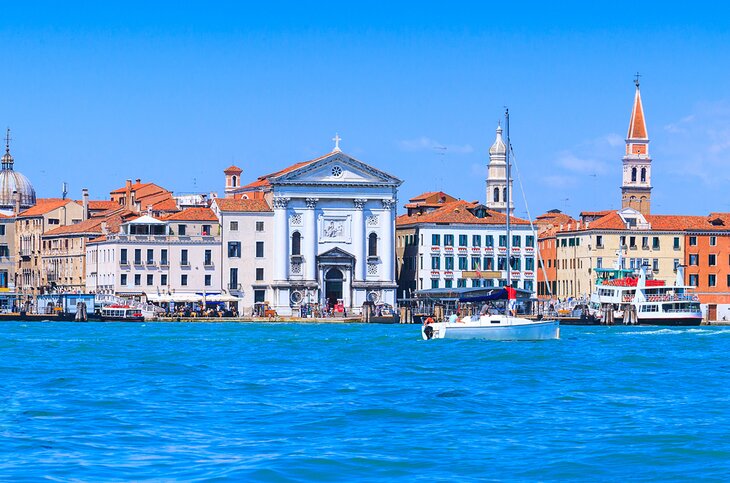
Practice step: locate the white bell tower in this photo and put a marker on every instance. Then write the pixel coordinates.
(497, 177)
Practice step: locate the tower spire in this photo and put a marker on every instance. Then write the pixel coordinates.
(636, 186)
(7, 159)
(637, 124)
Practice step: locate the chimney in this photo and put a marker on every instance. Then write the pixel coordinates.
(138, 180)
(128, 194)
(149, 210)
(16, 197)
(104, 228)
(85, 203)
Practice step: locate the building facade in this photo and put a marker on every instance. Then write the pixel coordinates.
(178, 255)
(707, 262)
(463, 244)
(333, 232)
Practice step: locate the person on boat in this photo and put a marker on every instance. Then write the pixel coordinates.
(428, 321)
(454, 317)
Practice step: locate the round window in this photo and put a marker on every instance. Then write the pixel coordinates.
(296, 297)
(336, 171)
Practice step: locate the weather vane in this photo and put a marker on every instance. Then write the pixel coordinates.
(636, 79)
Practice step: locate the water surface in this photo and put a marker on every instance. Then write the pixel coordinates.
(285, 402)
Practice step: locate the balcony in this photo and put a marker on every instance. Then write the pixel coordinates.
(138, 262)
(435, 248)
(124, 263)
(184, 263)
(150, 263)
(208, 264)
(164, 263)
(234, 286)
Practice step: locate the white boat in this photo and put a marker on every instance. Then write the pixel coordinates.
(495, 326)
(623, 297)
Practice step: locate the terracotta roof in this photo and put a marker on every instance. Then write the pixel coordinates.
(613, 221)
(233, 204)
(93, 225)
(193, 214)
(457, 212)
(430, 199)
(103, 205)
(263, 181)
(43, 206)
(167, 204)
(637, 124)
(595, 213)
(233, 169)
(135, 187)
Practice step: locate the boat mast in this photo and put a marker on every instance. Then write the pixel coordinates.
(507, 197)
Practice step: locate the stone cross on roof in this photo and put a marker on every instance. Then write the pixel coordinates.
(337, 140)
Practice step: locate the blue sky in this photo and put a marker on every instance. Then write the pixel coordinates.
(176, 92)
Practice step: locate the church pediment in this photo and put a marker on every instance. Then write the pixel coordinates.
(339, 169)
(336, 254)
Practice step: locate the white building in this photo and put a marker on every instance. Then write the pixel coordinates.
(497, 177)
(332, 236)
(462, 244)
(177, 255)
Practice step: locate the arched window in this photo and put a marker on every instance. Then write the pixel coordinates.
(504, 195)
(633, 174)
(296, 243)
(643, 175)
(234, 180)
(373, 245)
(496, 195)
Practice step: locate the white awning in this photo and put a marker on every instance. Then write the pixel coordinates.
(159, 298)
(186, 297)
(222, 298)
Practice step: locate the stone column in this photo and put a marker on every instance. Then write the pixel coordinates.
(309, 237)
(387, 250)
(358, 240)
(281, 239)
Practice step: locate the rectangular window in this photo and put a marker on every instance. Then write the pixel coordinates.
(259, 295)
(693, 278)
(529, 263)
(476, 240)
(515, 263)
(259, 249)
(713, 241)
(530, 241)
(655, 264)
(123, 280)
(233, 278)
(434, 283)
(693, 241)
(163, 280)
(259, 226)
(184, 257)
(4, 250)
(150, 279)
(436, 240)
(137, 256)
(234, 249)
(123, 258)
(655, 243)
(476, 263)
(712, 280)
(489, 241)
(563, 242)
(208, 280)
(448, 283)
(502, 263)
(488, 263)
(2, 230)
(599, 241)
(632, 242)
(645, 242)
(233, 226)
(463, 240)
(449, 262)
(676, 264)
(728, 279)
(623, 240)
(181, 229)
(163, 256)
(599, 262)
(137, 279)
(694, 259)
(205, 230)
(516, 240)
(502, 240)
(676, 243)
(184, 280)
(461, 283)
(435, 263)
(712, 259)
(259, 274)
(463, 263)
(208, 258)
(150, 256)
(476, 282)
(448, 240)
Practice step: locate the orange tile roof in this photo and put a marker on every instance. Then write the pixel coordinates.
(93, 225)
(457, 212)
(134, 187)
(637, 125)
(430, 199)
(613, 221)
(595, 213)
(232, 169)
(102, 205)
(263, 181)
(43, 206)
(167, 204)
(192, 214)
(234, 204)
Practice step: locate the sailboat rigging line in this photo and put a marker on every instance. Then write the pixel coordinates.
(507, 198)
(540, 261)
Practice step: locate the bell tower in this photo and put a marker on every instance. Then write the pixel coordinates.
(636, 186)
(497, 177)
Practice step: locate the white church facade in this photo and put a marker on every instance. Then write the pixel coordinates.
(330, 240)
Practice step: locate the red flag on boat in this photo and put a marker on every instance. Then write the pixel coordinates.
(511, 293)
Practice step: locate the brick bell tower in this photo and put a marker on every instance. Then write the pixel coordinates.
(636, 186)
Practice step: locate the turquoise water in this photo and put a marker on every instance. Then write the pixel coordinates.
(282, 402)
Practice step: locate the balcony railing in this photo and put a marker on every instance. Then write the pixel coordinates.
(234, 286)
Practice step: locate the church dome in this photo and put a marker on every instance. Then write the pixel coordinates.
(12, 181)
(498, 148)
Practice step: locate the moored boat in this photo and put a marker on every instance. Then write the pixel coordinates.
(122, 313)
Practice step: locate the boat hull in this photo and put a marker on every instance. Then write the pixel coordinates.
(546, 330)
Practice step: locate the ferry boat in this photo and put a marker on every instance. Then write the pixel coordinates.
(123, 313)
(623, 297)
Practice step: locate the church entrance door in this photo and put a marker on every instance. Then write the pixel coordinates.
(333, 286)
